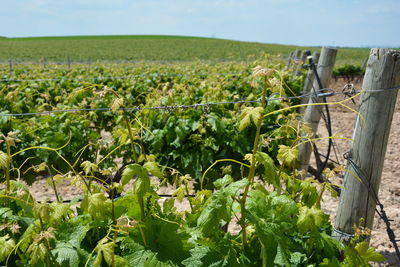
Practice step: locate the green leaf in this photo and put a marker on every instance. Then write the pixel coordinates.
(202, 256)
(4, 159)
(219, 207)
(274, 218)
(282, 256)
(99, 206)
(66, 255)
(136, 255)
(287, 155)
(128, 204)
(59, 210)
(311, 219)
(89, 167)
(7, 245)
(334, 262)
(250, 114)
(37, 251)
(224, 181)
(104, 249)
(368, 254)
(131, 170)
(117, 103)
(269, 169)
(42, 211)
(152, 167)
(74, 230)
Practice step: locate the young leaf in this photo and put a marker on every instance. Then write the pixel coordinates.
(269, 169)
(131, 170)
(89, 167)
(287, 155)
(311, 219)
(3, 160)
(66, 255)
(219, 207)
(99, 206)
(37, 252)
(152, 167)
(104, 249)
(250, 114)
(74, 230)
(224, 181)
(117, 103)
(368, 254)
(7, 245)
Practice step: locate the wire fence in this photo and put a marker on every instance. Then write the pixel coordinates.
(69, 62)
(322, 93)
(128, 77)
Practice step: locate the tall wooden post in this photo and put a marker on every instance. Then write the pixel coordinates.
(369, 143)
(313, 113)
(308, 83)
(300, 62)
(289, 62)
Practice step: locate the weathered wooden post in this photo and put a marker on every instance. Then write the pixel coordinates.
(289, 62)
(297, 54)
(300, 62)
(369, 143)
(308, 83)
(313, 113)
(69, 62)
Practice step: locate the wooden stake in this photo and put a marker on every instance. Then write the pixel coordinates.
(290, 58)
(308, 83)
(369, 143)
(313, 113)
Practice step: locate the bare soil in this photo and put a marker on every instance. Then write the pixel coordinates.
(342, 123)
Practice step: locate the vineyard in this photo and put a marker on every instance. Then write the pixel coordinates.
(222, 136)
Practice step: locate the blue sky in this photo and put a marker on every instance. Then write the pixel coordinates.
(300, 22)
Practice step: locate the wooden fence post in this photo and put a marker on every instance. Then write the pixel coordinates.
(300, 62)
(313, 113)
(308, 83)
(289, 62)
(369, 142)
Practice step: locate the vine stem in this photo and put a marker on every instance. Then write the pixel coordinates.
(8, 167)
(252, 170)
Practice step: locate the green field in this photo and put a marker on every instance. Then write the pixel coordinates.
(149, 47)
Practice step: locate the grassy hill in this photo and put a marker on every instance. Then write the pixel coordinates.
(148, 47)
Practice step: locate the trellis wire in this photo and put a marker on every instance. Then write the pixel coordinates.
(171, 107)
(381, 212)
(129, 77)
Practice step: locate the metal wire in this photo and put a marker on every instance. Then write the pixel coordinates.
(171, 107)
(129, 77)
(381, 212)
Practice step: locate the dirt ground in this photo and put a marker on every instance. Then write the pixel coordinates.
(342, 123)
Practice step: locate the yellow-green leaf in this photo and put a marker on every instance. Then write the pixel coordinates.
(117, 103)
(3, 160)
(368, 253)
(37, 251)
(89, 167)
(250, 114)
(287, 155)
(311, 219)
(152, 167)
(7, 245)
